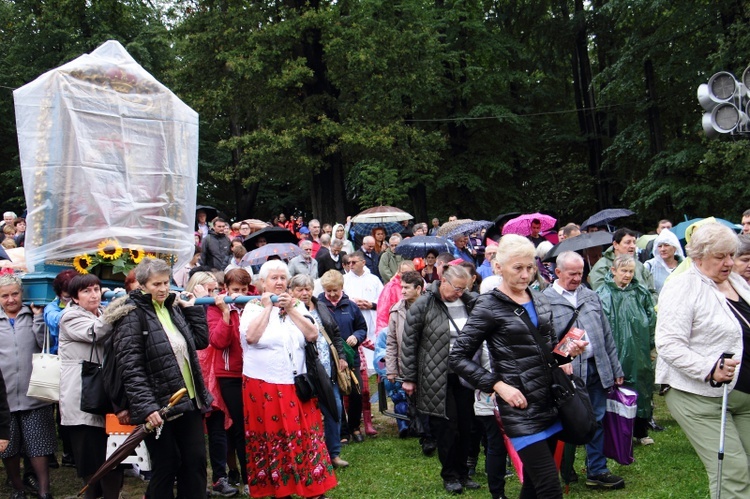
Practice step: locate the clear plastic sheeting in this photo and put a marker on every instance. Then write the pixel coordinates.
(106, 152)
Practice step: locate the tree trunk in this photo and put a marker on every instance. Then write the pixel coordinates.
(653, 115)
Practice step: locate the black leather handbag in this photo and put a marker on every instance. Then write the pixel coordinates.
(94, 398)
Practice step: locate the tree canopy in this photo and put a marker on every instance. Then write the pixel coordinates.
(440, 107)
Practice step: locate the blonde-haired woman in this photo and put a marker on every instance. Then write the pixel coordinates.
(509, 318)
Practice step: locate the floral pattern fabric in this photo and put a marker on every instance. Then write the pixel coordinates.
(285, 444)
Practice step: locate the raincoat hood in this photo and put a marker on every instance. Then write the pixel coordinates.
(667, 237)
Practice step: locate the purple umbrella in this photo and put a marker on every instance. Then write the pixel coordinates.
(522, 225)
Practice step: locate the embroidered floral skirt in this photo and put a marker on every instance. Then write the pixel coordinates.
(285, 444)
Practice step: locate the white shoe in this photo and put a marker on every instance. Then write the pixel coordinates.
(644, 441)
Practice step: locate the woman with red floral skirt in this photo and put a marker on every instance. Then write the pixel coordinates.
(285, 443)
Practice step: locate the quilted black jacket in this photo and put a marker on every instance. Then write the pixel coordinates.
(516, 358)
(146, 362)
(425, 347)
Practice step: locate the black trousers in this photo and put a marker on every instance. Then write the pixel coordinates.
(231, 392)
(179, 453)
(453, 434)
(496, 456)
(540, 480)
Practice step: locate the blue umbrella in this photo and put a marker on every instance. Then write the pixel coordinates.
(679, 229)
(417, 246)
(365, 229)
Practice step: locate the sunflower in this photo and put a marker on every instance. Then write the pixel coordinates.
(150, 255)
(137, 254)
(109, 249)
(81, 263)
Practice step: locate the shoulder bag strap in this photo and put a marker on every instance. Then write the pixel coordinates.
(93, 348)
(520, 312)
(573, 319)
(738, 313)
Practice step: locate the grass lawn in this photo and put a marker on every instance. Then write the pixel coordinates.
(386, 467)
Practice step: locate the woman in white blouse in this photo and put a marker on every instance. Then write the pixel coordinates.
(281, 432)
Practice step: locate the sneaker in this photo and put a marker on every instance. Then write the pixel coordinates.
(453, 487)
(31, 484)
(605, 481)
(18, 494)
(234, 477)
(654, 425)
(68, 461)
(246, 490)
(339, 463)
(222, 488)
(644, 441)
(470, 484)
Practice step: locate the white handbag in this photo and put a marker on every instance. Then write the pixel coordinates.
(44, 383)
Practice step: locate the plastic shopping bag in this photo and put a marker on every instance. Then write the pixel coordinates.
(618, 424)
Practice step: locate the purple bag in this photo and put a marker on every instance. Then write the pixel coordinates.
(618, 424)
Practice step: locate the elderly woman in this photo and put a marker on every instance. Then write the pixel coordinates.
(742, 258)
(301, 287)
(704, 313)
(353, 329)
(157, 343)
(340, 233)
(224, 336)
(283, 433)
(506, 318)
(81, 333)
(32, 424)
(630, 311)
(667, 256)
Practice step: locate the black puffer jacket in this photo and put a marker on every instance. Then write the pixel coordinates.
(147, 364)
(425, 347)
(516, 358)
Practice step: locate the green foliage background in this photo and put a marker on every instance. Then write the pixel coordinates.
(439, 107)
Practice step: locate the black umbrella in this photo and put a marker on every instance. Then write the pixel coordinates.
(495, 231)
(417, 246)
(578, 243)
(211, 212)
(605, 216)
(130, 443)
(271, 235)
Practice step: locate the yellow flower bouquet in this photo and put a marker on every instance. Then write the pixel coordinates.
(109, 254)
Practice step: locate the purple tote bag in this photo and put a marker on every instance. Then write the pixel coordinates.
(618, 424)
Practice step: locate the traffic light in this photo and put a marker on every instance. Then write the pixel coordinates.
(727, 104)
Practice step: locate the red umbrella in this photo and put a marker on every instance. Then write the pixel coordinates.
(130, 443)
(522, 225)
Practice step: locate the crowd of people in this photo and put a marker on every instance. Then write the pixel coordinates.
(456, 337)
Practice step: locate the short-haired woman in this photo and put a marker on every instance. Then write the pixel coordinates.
(630, 310)
(80, 328)
(703, 314)
(506, 318)
(283, 434)
(156, 345)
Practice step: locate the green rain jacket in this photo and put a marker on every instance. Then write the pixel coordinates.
(633, 320)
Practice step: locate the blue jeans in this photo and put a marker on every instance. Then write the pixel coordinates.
(596, 463)
(331, 427)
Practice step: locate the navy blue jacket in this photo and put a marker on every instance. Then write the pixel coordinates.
(349, 318)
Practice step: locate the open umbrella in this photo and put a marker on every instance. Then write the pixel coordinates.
(211, 212)
(470, 227)
(495, 231)
(679, 229)
(522, 225)
(365, 228)
(578, 243)
(381, 214)
(605, 216)
(418, 246)
(449, 226)
(258, 256)
(130, 443)
(271, 235)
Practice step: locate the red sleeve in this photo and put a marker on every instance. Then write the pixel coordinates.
(220, 334)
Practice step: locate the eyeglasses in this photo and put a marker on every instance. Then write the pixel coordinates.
(457, 289)
(352, 262)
